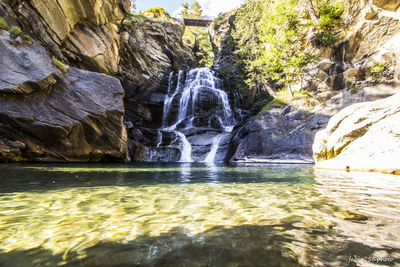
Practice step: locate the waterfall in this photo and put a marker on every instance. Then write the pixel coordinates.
(186, 152)
(211, 156)
(198, 112)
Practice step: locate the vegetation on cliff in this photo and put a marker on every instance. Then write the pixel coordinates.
(275, 41)
(197, 37)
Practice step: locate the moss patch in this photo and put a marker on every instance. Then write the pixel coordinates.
(59, 65)
(377, 68)
(16, 32)
(3, 24)
(274, 103)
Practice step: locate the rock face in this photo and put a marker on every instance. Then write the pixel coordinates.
(364, 66)
(364, 136)
(94, 36)
(74, 122)
(84, 33)
(277, 135)
(387, 4)
(24, 68)
(150, 51)
(49, 116)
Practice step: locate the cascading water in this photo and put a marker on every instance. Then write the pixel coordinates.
(198, 113)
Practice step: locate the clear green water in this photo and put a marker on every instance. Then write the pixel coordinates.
(196, 215)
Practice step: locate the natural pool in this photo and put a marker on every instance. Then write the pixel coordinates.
(196, 215)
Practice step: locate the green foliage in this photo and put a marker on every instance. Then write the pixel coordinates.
(223, 71)
(194, 11)
(133, 18)
(354, 89)
(325, 38)
(198, 36)
(16, 32)
(331, 14)
(127, 23)
(59, 65)
(217, 21)
(377, 68)
(157, 12)
(3, 24)
(270, 45)
(274, 103)
(330, 23)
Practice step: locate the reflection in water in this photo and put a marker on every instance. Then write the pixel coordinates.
(195, 215)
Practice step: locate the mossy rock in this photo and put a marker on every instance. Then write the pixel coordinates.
(4, 24)
(61, 66)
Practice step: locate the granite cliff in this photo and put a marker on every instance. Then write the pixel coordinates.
(74, 73)
(362, 66)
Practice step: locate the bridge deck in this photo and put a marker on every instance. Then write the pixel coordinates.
(197, 22)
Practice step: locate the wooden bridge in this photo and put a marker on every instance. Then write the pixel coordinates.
(197, 22)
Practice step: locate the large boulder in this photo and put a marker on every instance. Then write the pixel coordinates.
(79, 120)
(24, 68)
(277, 136)
(47, 115)
(391, 5)
(364, 136)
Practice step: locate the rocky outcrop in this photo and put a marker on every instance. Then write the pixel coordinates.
(47, 115)
(94, 36)
(387, 4)
(225, 64)
(74, 122)
(24, 68)
(277, 136)
(150, 51)
(362, 137)
(82, 33)
(363, 66)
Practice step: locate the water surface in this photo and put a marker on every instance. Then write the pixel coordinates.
(196, 215)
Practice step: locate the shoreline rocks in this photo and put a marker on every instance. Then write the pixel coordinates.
(362, 137)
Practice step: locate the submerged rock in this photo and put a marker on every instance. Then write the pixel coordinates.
(79, 119)
(364, 136)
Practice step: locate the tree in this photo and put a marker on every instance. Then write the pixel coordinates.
(270, 46)
(185, 10)
(194, 11)
(198, 36)
(133, 5)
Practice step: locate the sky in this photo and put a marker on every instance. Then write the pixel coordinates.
(211, 8)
